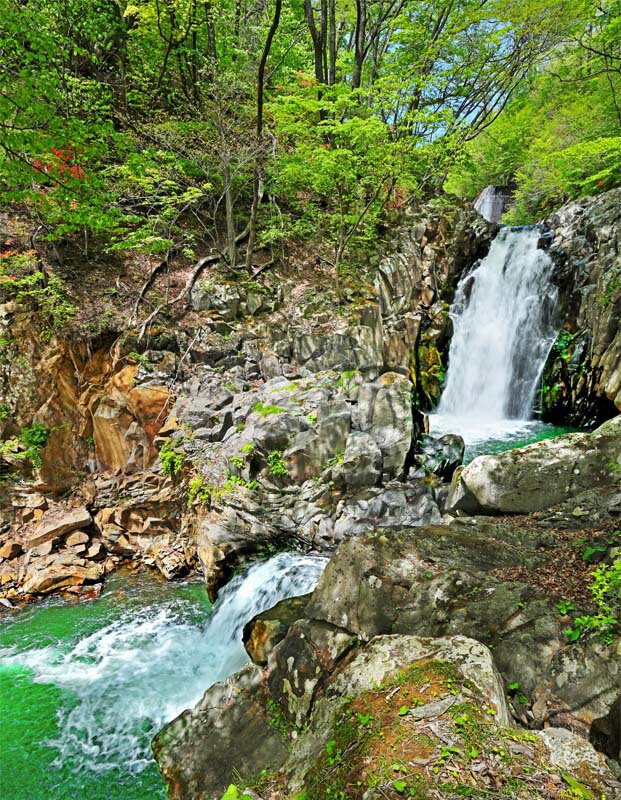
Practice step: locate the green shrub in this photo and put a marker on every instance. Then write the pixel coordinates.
(276, 464)
(48, 295)
(606, 591)
(28, 444)
(172, 459)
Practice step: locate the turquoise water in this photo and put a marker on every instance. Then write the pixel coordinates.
(85, 686)
(39, 644)
(482, 437)
(537, 433)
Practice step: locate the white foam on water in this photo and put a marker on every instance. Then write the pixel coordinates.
(130, 677)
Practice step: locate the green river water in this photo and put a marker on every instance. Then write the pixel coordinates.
(85, 686)
(37, 644)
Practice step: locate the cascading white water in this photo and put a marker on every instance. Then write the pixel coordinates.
(503, 331)
(128, 678)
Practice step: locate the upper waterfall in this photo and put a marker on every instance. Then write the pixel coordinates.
(492, 201)
(503, 331)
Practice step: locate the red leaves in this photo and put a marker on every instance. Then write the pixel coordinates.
(64, 164)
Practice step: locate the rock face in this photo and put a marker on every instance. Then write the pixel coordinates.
(348, 671)
(233, 718)
(283, 411)
(54, 526)
(406, 714)
(582, 380)
(539, 475)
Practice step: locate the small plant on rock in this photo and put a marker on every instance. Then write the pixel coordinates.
(267, 410)
(172, 459)
(276, 464)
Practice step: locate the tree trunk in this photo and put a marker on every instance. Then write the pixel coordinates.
(256, 182)
(230, 220)
(332, 43)
(359, 43)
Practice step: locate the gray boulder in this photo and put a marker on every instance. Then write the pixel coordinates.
(384, 410)
(362, 461)
(539, 475)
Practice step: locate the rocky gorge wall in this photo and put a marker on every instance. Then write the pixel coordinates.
(270, 416)
(261, 404)
(582, 379)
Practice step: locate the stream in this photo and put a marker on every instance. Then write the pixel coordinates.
(85, 686)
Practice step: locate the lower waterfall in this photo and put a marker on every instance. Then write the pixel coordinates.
(115, 670)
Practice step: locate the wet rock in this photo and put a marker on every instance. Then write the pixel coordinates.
(440, 456)
(582, 378)
(226, 734)
(301, 661)
(267, 629)
(440, 581)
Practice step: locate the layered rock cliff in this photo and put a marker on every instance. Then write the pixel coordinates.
(275, 410)
(582, 379)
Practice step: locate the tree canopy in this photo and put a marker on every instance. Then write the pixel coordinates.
(214, 126)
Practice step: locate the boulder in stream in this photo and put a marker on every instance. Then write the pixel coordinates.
(539, 475)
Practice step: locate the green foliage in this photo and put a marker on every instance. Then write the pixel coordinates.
(564, 607)
(140, 358)
(558, 138)
(337, 458)
(233, 482)
(21, 281)
(267, 410)
(199, 491)
(606, 591)
(594, 552)
(172, 458)
(276, 464)
(233, 793)
(28, 444)
(134, 127)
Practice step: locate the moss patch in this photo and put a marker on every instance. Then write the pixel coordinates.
(427, 733)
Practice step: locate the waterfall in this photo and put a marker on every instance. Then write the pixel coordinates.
(140, 668)
(503, 331)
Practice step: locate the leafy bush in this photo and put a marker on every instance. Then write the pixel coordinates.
(606, 591)
(20, 283)
(172, 459)
(276, 464)
(28, 444)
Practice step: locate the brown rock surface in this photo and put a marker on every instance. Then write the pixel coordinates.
(59, 522)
